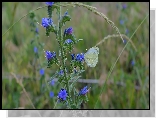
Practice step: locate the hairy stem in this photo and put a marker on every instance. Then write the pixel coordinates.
(62, 51)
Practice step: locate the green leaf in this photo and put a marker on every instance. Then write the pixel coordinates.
(31, 14)
(52, 61)
(65, 19)
(73, 106)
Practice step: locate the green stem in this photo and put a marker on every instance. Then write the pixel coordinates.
(62, 51)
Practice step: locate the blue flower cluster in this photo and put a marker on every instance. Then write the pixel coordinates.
(35, 49)
(50, 55)
(68, 41)
(66, 13)
(127, 31)
(124, 6)
(125, 41)
(49, 3)
(68, 30)
(84, 91)
(61, 72)
(41, 71)
(62, 94)
(78, 57)
(132, 62)
(46, 22)
(52, 83)
(51, 94)
(36, 30)
(122, 22)
(123, 19)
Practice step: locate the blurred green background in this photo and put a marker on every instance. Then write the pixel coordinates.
(128, 85)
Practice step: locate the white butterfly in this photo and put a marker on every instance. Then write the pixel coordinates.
(91, 56)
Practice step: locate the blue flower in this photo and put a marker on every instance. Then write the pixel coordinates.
(49, 3)
(80, 57)
(52, 83)
(127, 31)
(50, 55)
(51, 94)
(62, 94)
(68, 30)
(46, 22)
(35, 49)
(132, 62)
(73, 56)
(125, 41)
(124, 6)
(61, 72)
(41, 71)
(84, 91)
(66, 13)
(68, 41)
(36, 30)
(122, 22)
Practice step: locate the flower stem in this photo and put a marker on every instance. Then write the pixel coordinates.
(60, 41)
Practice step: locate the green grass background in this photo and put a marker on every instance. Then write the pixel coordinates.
(18, 55)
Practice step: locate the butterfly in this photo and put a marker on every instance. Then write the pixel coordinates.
(91, 56)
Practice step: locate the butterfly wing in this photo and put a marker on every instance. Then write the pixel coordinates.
(91, 56)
